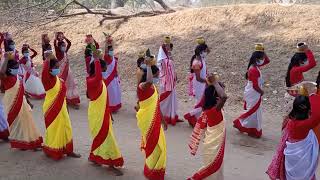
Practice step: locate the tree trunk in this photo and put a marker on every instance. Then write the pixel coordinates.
(117, 3)
(151, 3)
(163, 5)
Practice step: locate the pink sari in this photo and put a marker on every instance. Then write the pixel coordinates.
(73, 96)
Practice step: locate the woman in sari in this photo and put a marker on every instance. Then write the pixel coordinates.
(149, 122)
(112, 79)
(197, 81)
(58, 139)
(61, 49)
(23, 132)
(104, 149)
(45, 45)
(297, 153)
(215, 134)
(250, 121)
(168, 78)
(92, 45)
(32, 83)
(302, 61)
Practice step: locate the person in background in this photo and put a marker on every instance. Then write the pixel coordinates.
(112, 79)
(140, 61)
(32, 82)
(302, 61)
(168, 80)
(58, 139)
(46, 46)
(211, 121)
(197, 82)
(62, 46)
(149, 122)
(91, 46)
(24, 134)
(104, 149)
(297, 154)
(250, 121)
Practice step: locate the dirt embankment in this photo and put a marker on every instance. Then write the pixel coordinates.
(230, 32)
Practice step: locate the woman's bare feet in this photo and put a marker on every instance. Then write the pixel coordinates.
(117, 172)
(94, 163)
(74, 155)
(37, 149)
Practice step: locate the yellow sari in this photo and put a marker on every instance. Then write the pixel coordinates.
(153, 138)
(58, 138)
(104, 149)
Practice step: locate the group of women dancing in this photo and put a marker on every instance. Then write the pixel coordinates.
(295, 158)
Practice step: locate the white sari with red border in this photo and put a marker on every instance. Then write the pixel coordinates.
(168, 95)
(113, 84)
(32, 83)
(197, 92)
(250, 121)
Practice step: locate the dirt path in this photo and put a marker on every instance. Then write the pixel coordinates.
(245, 158)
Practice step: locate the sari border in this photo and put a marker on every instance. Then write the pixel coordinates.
(165, 95)
(36, 96)
(115, 108)
(252, 110)
(58, 153)
(112, 75)
(191, 119)
(251, 131)
(25, 145)
(55, 108)
(153, 134)
(73, 101)
(4, 134)
(171, 120)
(17, 105)
(154, 174)
(104, 130)
(110, 162)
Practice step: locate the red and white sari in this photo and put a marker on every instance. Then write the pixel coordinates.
(211, 121)
(168, 96)
(197, 92)
(250, 121)
(23, 132)
(31, 80)
(73, 96)
(113, 84)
